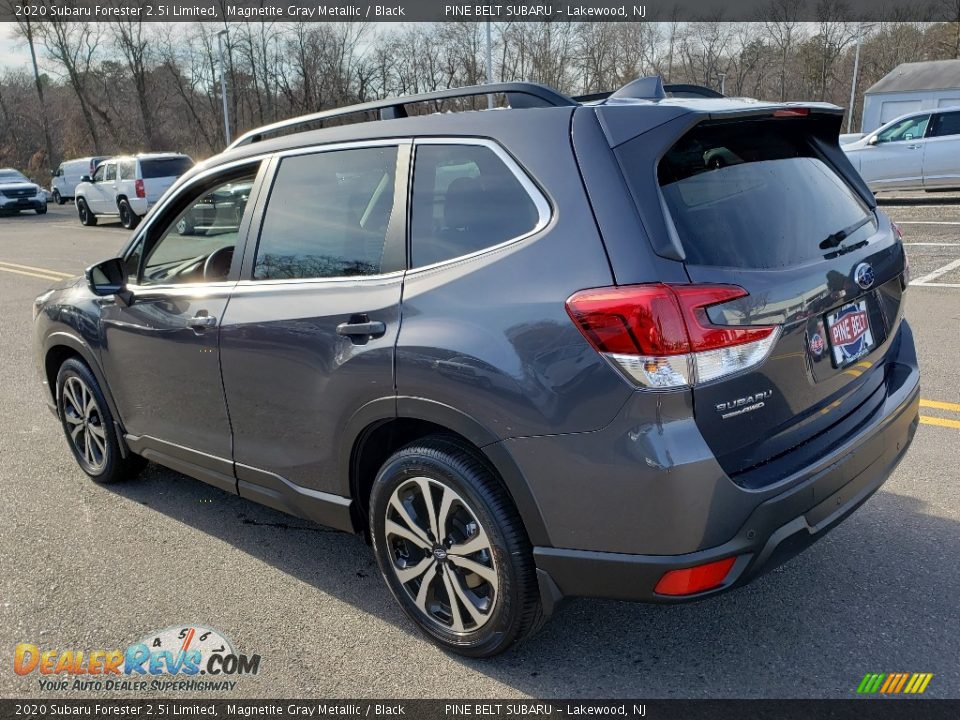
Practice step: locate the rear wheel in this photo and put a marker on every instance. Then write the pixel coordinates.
(83, 211)
(88, 426)
(128, 218)
(453, 550)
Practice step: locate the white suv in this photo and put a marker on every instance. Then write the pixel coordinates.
(127, 186)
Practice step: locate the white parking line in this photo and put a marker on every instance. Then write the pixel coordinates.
(928, 244)
(928, 222)
(926, 279)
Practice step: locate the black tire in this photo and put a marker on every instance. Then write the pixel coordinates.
(41, 209)
(86, 216)
(88, 426)
(58, 198)
(128, 218)
(481, 514)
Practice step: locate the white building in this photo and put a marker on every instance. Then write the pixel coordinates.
(910, 87)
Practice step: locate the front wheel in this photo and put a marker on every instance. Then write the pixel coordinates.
(88, 426)
(452, 548)
(58, 198)
(83, 212)
(41, 209)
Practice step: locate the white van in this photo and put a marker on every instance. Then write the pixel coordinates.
(63, 183)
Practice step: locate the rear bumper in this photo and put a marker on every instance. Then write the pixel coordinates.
(140, 205)
(776, 529)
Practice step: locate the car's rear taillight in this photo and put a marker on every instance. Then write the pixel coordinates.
(141, 193)
(659, 335)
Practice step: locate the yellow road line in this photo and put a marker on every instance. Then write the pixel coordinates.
(942, 422)
(30, 274)
(48, 271)
(940, 405)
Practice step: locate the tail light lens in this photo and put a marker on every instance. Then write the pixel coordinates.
(141, 193)
(659, 335)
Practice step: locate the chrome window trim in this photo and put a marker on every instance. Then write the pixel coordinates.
(280, 282)
(544, 209)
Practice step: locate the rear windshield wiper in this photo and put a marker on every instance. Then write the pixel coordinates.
(831, 241)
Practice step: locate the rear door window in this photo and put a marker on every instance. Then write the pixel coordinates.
(945, 124)
(328, 215)
(127, 169)
(465, 199)
(755, 194)
(165, 167)
(110, 171)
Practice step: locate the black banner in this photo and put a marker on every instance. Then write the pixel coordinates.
(514, 709)
(222, 11)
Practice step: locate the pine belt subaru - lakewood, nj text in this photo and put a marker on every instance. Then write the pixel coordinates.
(639, 347)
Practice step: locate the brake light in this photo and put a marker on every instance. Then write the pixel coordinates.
(791, 112)
(141, 193)
(660, 336)
(697, 579)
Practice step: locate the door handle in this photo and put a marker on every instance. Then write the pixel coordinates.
(360, 326)
(202, 320)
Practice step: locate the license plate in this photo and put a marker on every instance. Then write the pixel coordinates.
(849, 332)
(23, 201)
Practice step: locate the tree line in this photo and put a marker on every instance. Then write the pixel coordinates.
(130, 86)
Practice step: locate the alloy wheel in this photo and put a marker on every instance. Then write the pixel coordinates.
(84, 423)
(441, 555)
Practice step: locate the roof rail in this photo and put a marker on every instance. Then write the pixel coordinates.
(519, 95)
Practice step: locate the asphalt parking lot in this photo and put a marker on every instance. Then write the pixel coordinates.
(91, 567)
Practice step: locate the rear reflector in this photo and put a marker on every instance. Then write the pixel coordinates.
(697, 579)
(659, 335)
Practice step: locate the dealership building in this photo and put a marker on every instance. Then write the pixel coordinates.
(910, 87)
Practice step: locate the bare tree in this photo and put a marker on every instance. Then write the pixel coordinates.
(73, 46)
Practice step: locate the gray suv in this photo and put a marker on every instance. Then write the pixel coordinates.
(637, 347)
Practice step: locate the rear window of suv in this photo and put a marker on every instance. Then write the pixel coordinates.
(756, 194)
(165, 167)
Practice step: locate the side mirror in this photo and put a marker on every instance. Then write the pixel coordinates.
(86, 178)
(108, 278)
(873, 140)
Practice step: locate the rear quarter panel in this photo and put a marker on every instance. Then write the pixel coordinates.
(490, 335)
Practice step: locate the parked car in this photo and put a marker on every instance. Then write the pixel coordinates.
(128, 186)
(530, 354)
(67, 176)
(223, 207)
(919, 151)
(18, 193)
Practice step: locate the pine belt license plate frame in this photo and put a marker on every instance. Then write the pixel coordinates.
(849, 333)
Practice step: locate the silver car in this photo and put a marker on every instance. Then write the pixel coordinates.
(919, 151)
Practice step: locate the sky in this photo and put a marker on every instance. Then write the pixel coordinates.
(12, 54)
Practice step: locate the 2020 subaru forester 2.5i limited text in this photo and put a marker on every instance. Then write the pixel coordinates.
(642, 347)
